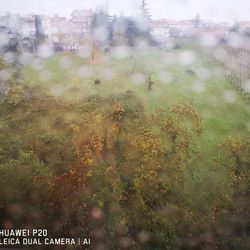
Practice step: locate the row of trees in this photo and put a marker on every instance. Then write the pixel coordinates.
(107, 30)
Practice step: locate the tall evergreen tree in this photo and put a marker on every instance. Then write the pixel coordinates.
(145, 10)
(39, 27)
(101, 28)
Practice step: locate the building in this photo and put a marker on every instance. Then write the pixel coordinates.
(180, 28)
(159, 31)
(60, 25)
(164, 28)
(27, 25)
(81, 21)
(206, 23)
(4, 20)
(46, 23)
(61, 28)
(11, 21)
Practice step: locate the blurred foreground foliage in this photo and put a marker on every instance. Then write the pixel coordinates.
(104, 168)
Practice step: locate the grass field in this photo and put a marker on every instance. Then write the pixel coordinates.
(178, 75)
(144, 146)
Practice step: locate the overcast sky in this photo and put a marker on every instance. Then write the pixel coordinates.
(219, 10)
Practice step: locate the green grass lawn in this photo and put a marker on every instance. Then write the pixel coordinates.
(177, 75)
(223, 110)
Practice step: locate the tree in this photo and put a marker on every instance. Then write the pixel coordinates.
(39, 28)
(246, 32)
(174, 32)
(197, 20)
(132, 30)
(235, 27)
(101, 28)
(145, 13)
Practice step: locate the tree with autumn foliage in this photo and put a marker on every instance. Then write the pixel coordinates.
(106, 168)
